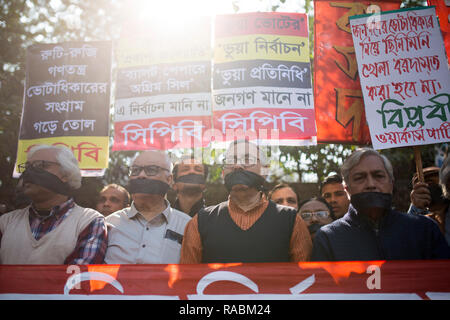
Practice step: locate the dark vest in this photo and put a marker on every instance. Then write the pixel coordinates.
(267, 240)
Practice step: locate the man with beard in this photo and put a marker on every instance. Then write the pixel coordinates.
(371, 229)
(149, 231)
(53, 229)
(190, 179)
(248, 227)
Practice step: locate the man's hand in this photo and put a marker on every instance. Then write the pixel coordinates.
(420, 195)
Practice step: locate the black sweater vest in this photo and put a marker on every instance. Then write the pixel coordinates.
(267, 240)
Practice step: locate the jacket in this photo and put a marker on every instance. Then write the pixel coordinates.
(399, 236)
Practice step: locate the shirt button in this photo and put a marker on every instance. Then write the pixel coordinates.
(147, 228)
(143, 246)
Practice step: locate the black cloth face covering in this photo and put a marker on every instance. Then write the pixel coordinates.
(148, 186)
(244, 177)
(47, 180)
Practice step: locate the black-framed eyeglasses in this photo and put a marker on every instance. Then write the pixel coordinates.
(319, 214)
(41, 164)
(246, 161)
(151, 170)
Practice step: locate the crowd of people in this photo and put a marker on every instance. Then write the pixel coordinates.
(352, 217)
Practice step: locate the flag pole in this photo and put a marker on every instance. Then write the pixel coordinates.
(418, 159)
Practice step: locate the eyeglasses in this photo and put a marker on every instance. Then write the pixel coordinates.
(151, 170)
(246, 161)
(319, 214)
(41, 164)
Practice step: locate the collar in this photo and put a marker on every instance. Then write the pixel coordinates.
(362, 220)
(133, 212)
(56, 212)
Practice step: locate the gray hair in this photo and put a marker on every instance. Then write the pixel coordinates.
(356, 157)
(444, 175)
(167, 158)
(261, 154)
(67, 161)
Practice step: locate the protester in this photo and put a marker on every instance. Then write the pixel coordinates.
(316, 212)
(427, 196)
(443, 217)
(112, 198)
(284, 195)
(53, 229)
(332, 190)
(248, 227)
(150, 231)
(190, 183)
(371, 229)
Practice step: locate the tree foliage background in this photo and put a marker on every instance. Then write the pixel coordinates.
(24, 22)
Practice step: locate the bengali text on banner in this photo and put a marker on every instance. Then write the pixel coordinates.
(163, 90)
(66, 101)
(404, 77)
(262, 86)
(345, 280)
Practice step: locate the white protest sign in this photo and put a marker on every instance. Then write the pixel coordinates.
(404, 76)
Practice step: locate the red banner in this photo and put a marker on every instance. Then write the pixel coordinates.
(262, 78)
(162, 133)
(338, 98)
(443, 12)
(354, 280)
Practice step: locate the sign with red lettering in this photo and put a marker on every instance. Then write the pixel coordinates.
(262, 80)
(404, 77)
(338, 100)
(351, 280)
(163, 94)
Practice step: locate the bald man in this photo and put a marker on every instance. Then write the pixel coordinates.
(149, 231)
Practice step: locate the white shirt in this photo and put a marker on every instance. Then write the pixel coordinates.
(132, 239)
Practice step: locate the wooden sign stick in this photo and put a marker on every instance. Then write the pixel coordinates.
(418, 158)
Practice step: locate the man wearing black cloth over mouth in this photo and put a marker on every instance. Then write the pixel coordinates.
(53, 229)
(189, 183)
(248, 227)
(150, 230)
(371, 229)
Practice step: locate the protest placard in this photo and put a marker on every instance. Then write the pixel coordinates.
(163, 94)
(262, 78)
(67, 100)
(404, 77)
